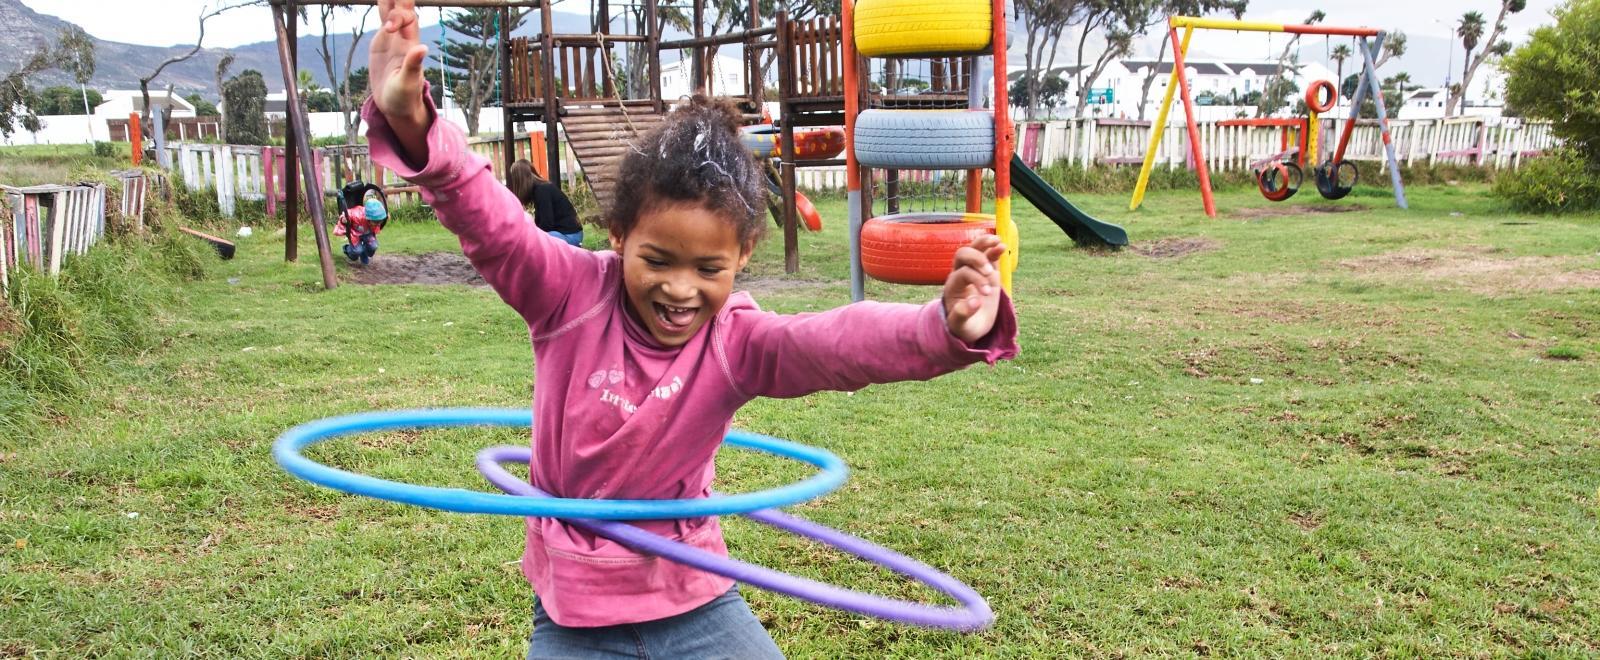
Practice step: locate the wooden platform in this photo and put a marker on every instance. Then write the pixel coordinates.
(600, 140)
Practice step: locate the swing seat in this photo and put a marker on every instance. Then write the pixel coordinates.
(1327, 176)
(1279, 181)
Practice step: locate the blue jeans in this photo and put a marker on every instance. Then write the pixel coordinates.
(574, 239)
(722, 628)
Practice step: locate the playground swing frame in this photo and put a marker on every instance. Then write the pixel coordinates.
(1370, 44)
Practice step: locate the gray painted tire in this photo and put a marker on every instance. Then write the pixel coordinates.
(925, 139)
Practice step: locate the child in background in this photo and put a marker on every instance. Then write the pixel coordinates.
(642, 354)
(552, 211)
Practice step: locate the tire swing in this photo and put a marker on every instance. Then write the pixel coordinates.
(1280, 180)
(918, 248)
(1320, 98)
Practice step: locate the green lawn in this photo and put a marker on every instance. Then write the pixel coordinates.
(1318, 433)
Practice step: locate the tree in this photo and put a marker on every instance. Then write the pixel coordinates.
(1470, 64)
(64, 100)
(1470, 29)
(244, 101)
(1553, 76)
(1341, 53)
(19, 104)
(76, 55)
(144, 82)
(1162, 12)
(346, 100)
(222, 72)
(1046, 21)
(475, 59)
(1275, 94)
(1393, 46)
(202, 107)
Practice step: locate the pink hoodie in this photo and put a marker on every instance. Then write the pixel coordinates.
(619, 416)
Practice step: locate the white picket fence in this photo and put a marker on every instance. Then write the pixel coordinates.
(1087, 142)
(240, 172)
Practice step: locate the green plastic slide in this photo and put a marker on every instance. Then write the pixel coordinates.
(1083, 230)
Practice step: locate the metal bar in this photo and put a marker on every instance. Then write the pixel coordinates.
(1370, 72)
(1258, 26)
(1206, 198)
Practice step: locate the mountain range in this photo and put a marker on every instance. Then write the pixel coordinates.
(120, 65)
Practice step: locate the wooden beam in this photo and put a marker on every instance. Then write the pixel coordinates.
(296, 122)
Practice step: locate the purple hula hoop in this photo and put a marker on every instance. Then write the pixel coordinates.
(973, 615)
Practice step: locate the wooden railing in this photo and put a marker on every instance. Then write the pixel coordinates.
(583, 67)
(814, 50)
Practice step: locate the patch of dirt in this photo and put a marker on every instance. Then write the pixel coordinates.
(1306, 520)
(1172, 248)
(1281, 210)
(430, 268)
(1477, 269)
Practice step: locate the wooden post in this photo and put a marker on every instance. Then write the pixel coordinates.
(135, 138)
(552, 107)
(505, 88)
(653, 48)
(297, 122)
(291, 187)
(791, 232)
(697, 55)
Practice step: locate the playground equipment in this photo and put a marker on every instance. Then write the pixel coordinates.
(1280, 175)
(592, 515)
(962, 40)
(361, 219)
(765, 142)
(920, 110)
(1276, 177)
(894, 138)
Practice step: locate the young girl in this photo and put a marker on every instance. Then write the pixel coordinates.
(552, 211)
(643, 354)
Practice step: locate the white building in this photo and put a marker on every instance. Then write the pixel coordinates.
(119, 103)
(727, 77)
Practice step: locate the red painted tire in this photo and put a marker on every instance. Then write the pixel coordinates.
(918, 248)
(818, 143)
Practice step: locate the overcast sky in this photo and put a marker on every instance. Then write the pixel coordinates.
(163, 23)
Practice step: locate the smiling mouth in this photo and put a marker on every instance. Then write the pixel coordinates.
(674, 319)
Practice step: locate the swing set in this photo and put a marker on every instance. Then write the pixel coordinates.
(1279, 176)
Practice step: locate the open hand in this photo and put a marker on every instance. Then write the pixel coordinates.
(395, 75)
(972, 291)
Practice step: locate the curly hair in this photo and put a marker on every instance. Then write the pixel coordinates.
(694, 156)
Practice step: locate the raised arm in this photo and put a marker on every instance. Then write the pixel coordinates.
(539, 276)
(853, 346)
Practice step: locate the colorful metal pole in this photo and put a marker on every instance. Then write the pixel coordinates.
(1208, 202)
(852, 169)
(1258, 26)
(1370, 72)
(1158, 128)
(1004, 143)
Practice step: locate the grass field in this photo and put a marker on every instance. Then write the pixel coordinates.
(1280, 432)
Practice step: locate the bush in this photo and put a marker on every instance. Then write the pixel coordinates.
(1553, 76)
(56, 334)
(105, 150)
(1560, 181)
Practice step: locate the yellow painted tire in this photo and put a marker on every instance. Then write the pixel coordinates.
(890, 28)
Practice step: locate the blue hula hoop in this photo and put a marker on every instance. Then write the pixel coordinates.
(288, 447)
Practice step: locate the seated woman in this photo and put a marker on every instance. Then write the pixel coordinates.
(552, 211)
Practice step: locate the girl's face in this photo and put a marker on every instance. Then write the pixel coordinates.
(678, 265)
